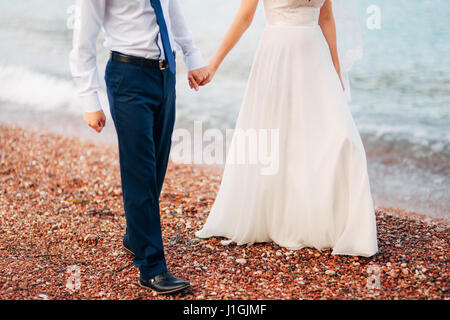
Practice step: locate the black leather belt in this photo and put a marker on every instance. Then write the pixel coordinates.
(137, 61)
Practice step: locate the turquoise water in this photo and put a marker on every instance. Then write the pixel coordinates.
(401, 89)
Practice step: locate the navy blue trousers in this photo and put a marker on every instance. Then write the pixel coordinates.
(142, 103)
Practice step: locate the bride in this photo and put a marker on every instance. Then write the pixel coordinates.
(320, 195)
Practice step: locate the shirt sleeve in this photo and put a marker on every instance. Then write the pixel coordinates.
(83, 57)
(183, 37)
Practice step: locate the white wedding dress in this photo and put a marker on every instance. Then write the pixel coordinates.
(320, 196)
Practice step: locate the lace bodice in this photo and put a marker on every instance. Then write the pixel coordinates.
(293, 12)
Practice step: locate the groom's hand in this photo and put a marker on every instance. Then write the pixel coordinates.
(95, 120)
(197, 77)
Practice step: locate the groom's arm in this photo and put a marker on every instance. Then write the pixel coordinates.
(83, 59)
(185, 40)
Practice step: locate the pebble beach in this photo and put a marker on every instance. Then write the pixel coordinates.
(61, 210)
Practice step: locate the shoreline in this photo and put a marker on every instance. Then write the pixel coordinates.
(108, 139)
(60, 205)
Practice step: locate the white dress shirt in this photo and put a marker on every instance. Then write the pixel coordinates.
(130, 27)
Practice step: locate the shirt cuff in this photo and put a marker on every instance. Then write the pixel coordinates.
(90, 103)
(194, 61)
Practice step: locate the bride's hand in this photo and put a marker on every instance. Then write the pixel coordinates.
(211, 72)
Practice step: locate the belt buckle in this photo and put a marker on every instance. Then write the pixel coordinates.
(163, 65)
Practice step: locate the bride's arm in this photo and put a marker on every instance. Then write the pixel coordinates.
(328, 25)
(241, 22)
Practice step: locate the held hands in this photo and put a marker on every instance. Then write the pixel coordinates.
(200, 77)
(95, 120)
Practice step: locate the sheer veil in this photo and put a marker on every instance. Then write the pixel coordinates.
(349, 38)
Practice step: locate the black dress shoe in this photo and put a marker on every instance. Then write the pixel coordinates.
(127, 248)
(164, 283)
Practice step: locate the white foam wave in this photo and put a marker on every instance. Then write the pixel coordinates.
(38, 91)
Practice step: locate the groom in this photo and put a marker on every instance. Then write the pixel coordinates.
(140, 80)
